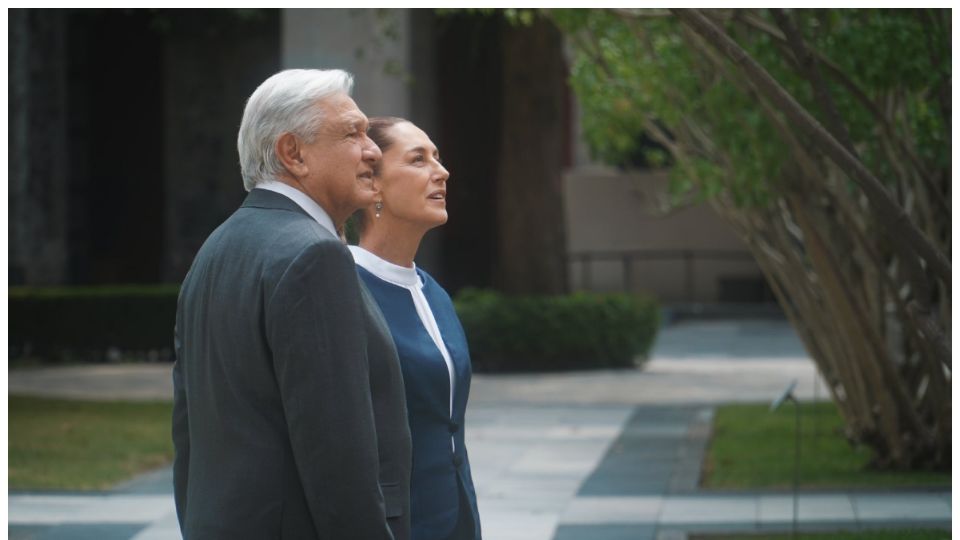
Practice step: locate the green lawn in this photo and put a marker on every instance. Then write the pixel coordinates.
(754, 448)
(83, 445)
(905, 534)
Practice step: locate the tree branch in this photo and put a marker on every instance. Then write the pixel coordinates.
(905, 233)
(810, 68)
(642, 13)
(851, 86)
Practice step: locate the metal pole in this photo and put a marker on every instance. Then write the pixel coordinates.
(796, 468)
(815, 414)
(788, 395)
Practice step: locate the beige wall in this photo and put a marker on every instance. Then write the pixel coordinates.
(353, 39)
(608, 210)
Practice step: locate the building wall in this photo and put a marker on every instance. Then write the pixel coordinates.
(210, 62)
(617, 212)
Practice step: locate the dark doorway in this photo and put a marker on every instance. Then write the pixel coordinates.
(469, 80)
(115, 127)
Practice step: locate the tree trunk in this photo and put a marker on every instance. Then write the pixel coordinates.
(531, 235)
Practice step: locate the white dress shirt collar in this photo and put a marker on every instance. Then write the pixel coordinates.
(303, 201)
(385, 270)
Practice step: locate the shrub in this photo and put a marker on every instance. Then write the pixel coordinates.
(547, 333)
(84, 323)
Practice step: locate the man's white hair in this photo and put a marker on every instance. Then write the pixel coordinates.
(284, 103)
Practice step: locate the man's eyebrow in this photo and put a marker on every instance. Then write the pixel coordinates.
(356, 121)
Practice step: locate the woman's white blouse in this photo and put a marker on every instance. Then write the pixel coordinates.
(410, 280)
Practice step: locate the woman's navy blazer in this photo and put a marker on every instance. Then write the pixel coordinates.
(440, 471)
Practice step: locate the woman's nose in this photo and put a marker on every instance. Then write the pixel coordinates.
(442, 174)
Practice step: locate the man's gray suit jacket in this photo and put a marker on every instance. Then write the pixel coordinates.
(289, 415)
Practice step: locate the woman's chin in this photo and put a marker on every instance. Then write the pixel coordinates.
(435, 219)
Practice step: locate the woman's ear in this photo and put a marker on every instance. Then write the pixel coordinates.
(289, 151)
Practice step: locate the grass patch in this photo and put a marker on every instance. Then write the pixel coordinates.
(904, 534)
(754, 448)
(84, 445)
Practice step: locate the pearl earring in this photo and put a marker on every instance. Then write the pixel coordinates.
(378, 207)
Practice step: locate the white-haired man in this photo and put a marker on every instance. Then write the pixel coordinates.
(289, 414)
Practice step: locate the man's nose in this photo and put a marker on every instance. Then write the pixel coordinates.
(371, 152)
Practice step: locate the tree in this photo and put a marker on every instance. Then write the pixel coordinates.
(530, 227)
(823, 138)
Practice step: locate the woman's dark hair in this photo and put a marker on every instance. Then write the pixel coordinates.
(377, 131)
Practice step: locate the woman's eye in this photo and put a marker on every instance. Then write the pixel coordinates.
(417, 159)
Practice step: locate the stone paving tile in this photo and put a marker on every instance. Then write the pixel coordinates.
(776, 509)
(621, 483)
(166, 528)
(618, 510)
(644, 458)
(90, 531)
(826, 508)
(87, 509)
(914, 508)
(666, 533)
(532, 504)
(25, 532)
(606, 532)
(714, 510)
(518, 525)
(839, 526)
(530, 460)
(157, 482)
(811, 508)
(519, 490)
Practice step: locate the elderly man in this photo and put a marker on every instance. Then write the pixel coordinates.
(289, 417)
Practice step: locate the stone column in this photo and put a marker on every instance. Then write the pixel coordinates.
(38, 188)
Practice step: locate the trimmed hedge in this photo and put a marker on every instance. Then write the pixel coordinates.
(84, 323)
(505, 333)
(548, 333)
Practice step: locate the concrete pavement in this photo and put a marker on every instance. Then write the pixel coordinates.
(692, 362)
(572, 456)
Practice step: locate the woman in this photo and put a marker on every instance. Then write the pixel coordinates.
(410, 185)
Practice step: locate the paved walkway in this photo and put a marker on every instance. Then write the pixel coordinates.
(577, 456)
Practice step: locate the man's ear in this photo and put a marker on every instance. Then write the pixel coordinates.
(289, 150)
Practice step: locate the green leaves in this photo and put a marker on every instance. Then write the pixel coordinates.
(629, 70)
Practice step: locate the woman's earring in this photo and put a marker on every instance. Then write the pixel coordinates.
(378, 207)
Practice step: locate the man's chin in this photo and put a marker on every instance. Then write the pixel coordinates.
(365, 194)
